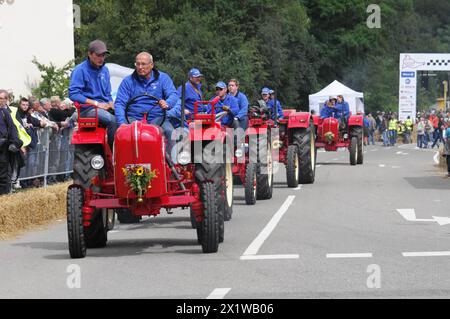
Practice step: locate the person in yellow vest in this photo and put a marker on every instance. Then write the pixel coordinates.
(408, 130)
(18, 158)
(393, 130)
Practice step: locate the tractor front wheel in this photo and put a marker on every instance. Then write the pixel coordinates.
(250, 184)
(77, 244)
(208, 231)
(264, 184)
(306, 143)
(354, 150)
(293, 166)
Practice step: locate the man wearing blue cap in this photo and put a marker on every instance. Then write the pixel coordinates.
(193, 89)
(227, 103)
(241, 119)
(268, 97)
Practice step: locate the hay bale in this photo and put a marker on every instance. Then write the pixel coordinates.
(31, 208)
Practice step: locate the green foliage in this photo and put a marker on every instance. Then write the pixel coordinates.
(55, 81)
(294, 46)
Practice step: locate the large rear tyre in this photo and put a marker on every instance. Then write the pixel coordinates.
(306, 143)
(125, 216)
(293, 166)
(77, 244)
(353, 150)
(250, 184)
(264, 182)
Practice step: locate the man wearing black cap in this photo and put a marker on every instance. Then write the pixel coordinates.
(90, 84)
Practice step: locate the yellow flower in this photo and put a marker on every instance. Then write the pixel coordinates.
(140, 171)
(125, 172)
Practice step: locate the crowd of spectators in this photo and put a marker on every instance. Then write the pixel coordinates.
(31, 116)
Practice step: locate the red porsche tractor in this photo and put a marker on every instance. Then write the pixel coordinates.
(333, 134)
(296, 147)
(253, 165)
(140, 178)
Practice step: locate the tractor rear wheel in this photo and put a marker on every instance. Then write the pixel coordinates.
(250, 184)
(125, 216)
(354, 150)
(77, 244)
(264, 183)
(293, 166)
(306, 143)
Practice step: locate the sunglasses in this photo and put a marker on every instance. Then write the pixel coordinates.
(220, 89)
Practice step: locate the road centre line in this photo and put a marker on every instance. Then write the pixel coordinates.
(265, 233)
(269, 257)
(427, 254)
(219, 293)
(358, 255)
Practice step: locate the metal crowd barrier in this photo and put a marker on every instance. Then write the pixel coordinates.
(52, 156)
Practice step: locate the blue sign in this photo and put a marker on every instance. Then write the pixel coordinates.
(408, 74)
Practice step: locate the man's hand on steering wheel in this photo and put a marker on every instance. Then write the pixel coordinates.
(163, 104)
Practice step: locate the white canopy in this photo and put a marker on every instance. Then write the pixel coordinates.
(355, 99)
(117, 73)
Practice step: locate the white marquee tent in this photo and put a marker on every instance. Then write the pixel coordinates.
(355, 99)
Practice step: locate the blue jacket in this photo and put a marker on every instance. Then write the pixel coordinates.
(87, 82)
(271, 107)
(174, 115)
(327, 111)
(366, 122)
(193, 94)
(230, 101)
(160, 85)
(243, 105)
(342, 110)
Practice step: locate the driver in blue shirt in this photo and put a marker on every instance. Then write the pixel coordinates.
(146, 79)
(227, 103)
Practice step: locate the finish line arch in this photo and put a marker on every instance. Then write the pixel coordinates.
(410, 63)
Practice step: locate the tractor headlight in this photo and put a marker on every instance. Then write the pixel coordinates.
(97, 162)
(184, 158)
(239, 153)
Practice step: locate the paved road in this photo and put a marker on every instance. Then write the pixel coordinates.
(341, 237)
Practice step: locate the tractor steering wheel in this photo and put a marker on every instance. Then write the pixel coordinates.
(150, 97)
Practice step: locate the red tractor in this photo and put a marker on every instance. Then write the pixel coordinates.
(333, 133)
(296, 147)
(105, 181)
(253, 165)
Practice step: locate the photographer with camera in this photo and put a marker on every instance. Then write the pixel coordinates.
(9, 143)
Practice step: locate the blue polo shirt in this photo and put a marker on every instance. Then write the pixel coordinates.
(230, 101)
(193, 94)
(243, 105)
(271, 107)
(88, 82)
(159, 85)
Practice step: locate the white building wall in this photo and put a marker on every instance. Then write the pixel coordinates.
(41, 28)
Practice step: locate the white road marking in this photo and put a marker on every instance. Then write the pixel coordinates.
(427, 254)
(436, 158)
(219, 293)
(358, 255)
(113, 231)
(410, 215)
(395, 166)
(382, 165)
(335, 159)
(265, 233)
(298, 188)
(266, 257)
(398, 153)
(374, 150)
(318, 165)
